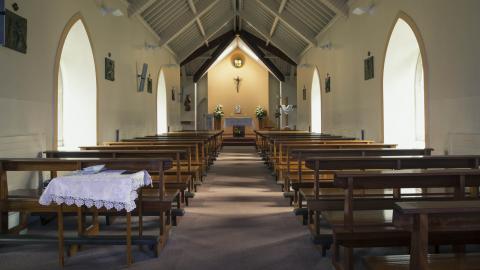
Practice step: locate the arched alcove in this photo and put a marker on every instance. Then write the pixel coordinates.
(162, 122)
(76, 88)
(316, 103)
(404, 86)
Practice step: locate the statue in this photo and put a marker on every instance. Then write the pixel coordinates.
(187, 103)
(237, 109)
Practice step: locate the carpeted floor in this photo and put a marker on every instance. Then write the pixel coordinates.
(237, 220)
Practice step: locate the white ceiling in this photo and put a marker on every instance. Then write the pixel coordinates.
(290, 25)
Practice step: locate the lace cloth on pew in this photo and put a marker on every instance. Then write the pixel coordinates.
(109, 189)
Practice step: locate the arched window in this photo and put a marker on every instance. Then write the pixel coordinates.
(76, 107)
(316, 103)
(403, 88)
(162, 125)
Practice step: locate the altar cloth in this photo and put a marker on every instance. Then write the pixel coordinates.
(109, 189)
(238, 121)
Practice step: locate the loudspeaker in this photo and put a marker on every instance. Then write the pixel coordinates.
(2, 22)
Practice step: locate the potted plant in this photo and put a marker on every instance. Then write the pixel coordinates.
(260, 113)
(217, 115)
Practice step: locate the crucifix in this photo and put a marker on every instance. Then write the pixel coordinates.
(237, 82)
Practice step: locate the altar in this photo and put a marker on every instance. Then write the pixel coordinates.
(238, 121)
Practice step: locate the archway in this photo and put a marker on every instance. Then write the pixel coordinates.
(76, 91)
(162, 122)
(316, 103)
(404, 86)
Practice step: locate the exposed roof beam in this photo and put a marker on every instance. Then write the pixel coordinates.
(240, 7)
(173, 33)
(206, 65)
(138, 6)
(269, 48)
(199, 23)
(234, 5)
(269, 6)
(275, 22)
(203, 49)
(338, 6)
(217, 29)
(251, 22)
(253, 45)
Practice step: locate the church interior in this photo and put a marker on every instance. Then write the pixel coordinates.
(239, 134)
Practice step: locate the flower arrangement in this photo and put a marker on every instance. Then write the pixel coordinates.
(218, 111)
(260, 112)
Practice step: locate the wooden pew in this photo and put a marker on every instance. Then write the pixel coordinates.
(156, 204)
(178, 177)
(315, 193)
(197, 166)
(365, 220)
(293, 173)
(423, 217)
(201, 155)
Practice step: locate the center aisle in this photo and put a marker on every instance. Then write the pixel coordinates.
(240, 220)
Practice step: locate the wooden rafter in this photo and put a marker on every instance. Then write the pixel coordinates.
(173, 33)
(199, 23)
(270, 48)
(275, 21)
(250, 20)
(203, 49)
(289, 22)
(254, 46)
(338, 6)
(208, 63)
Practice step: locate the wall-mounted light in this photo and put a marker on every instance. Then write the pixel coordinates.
(238, 60)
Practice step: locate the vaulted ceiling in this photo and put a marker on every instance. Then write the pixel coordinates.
(183, 26)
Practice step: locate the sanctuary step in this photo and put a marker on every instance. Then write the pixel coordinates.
(238, 141)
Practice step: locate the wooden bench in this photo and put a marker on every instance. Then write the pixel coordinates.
(422, 217)
(178, 177)
(366, 221)
(157, 203)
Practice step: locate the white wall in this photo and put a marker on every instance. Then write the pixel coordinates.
(450, 33)
(27, 80)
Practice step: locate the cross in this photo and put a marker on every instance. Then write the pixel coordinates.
(237, 82)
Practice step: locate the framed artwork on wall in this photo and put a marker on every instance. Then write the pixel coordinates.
(109, 69)
(149, 84)
(2, 22)
(369, 68)
(327, 83)
(15, 32)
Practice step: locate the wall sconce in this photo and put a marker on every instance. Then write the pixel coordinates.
(304, 92)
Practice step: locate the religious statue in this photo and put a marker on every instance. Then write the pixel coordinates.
(237, 82)
(237, 109)
(187, 103)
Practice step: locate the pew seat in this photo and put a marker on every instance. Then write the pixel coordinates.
(467, 261)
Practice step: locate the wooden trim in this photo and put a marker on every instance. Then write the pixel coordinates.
(76, 17)
(421, 44)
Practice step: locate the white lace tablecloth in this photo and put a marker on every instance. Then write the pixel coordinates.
(109, 189)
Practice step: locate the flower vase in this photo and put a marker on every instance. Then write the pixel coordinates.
(217, 123)
(261, 123)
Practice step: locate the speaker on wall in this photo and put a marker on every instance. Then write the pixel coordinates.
(2, 22)
(142, 77)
